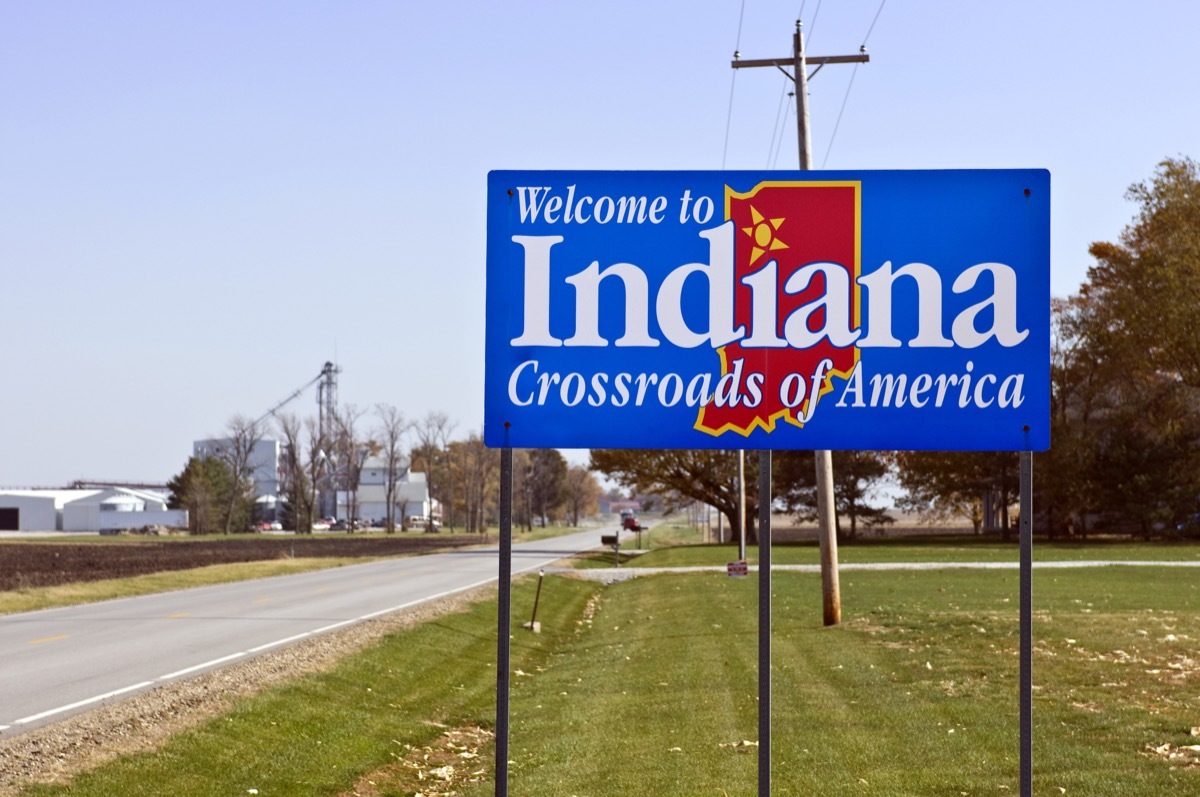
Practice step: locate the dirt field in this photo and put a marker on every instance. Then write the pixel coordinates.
(40, 564)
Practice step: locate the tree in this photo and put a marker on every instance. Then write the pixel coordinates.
(547, 473)
(476, 468)
(951, 482)
(351, 452)
(679, 476)
(1125, 371)
(294, 478)
(236, 451)
(433, 435)
(318, 467)
(581, 493)
(390, 435)
(857, 474)
(203, 488)
(1147, 286)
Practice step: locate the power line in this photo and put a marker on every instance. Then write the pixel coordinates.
(775, 129)
(787, 115)
(732, 83)
(812, 26)
(850, 85)
(877, 13)
(838, 122)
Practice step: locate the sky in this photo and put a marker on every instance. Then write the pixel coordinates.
(202, 203)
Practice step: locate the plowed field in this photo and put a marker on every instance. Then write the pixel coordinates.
(38, 564)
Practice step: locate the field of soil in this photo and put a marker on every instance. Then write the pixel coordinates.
(24, 565)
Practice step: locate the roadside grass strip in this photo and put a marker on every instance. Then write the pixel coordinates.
(649, 687)
(35, 598)
(871, 550)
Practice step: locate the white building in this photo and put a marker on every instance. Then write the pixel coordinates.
(264, 462)
(86, 510)
(411, 497)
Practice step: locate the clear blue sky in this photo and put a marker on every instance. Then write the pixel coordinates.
(201, 203)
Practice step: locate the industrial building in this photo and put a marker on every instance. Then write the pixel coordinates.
(95, 510)
(411, 498)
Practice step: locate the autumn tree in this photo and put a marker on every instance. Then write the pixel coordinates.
(547, 475)
(1125, 371)
(476, 470)
(1146, 287)
(679, 476)
(581, 493)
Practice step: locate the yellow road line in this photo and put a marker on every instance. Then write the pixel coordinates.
(47, 639)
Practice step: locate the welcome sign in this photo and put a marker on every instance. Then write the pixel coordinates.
(768, 310)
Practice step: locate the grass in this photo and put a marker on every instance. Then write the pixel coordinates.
(34, 598)
(319, 734)
(648, 687)
(679, 546)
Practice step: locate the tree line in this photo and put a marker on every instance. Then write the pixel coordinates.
(462, 475)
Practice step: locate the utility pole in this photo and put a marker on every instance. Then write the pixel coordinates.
(826, 520)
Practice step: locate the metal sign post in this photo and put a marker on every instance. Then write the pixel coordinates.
(1026, 675)
(504, 623)
(764, 624)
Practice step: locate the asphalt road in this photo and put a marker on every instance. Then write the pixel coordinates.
(58, 662)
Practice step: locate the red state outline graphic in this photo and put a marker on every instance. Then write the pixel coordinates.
(767, 424)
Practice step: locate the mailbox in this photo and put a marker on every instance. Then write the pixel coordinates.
(608, 539)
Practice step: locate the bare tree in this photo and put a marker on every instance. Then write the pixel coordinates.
(391, 434)
(432, 436)
(351, 453)
(295, 478)
(236, 450)
(318, 466)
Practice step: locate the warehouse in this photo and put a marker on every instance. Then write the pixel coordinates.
(86, 510)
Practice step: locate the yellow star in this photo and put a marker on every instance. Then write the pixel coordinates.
(763, 232)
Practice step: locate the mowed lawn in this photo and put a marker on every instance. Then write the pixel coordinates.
(672, 545)
(648, 687)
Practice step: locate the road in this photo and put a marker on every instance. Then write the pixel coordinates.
(59, 662)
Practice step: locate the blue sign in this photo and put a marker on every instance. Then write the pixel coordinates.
(884, 310)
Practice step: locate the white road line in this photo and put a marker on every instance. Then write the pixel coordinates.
(276, 643)
(96, 699)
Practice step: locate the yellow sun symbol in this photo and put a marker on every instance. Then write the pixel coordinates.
(763, 233)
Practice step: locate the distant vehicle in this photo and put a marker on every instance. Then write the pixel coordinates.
(339, 525)
(629, 521)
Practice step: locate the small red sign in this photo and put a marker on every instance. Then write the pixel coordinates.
(738, 568)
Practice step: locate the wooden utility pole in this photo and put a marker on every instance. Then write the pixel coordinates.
(826, 519)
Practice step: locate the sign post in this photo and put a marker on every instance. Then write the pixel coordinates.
(840, 310)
